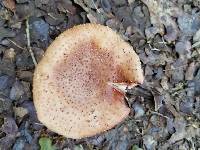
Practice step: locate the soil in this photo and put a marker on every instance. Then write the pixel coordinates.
(165, 109)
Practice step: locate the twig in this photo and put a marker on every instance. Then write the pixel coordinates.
(29, 43)
(16, 44)
(38, 123)
(153, 49)
(159, 114)
(95, 6)
(163, 42)
(49, 14)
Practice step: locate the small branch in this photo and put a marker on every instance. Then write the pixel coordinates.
(16, 44)
(95, 6)
(29, 43)
(49, 14)
(153, 49)
(159, 114)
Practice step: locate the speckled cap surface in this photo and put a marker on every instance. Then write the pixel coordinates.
(70, 86)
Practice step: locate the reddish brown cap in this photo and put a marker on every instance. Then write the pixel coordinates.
(72, 85)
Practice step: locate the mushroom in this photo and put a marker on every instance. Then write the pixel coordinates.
(79, 85)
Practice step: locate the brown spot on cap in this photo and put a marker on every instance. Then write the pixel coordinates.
(71, 89)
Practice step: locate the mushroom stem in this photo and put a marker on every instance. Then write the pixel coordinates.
(122, 87)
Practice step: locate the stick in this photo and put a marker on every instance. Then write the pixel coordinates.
(29, 43)
(16, 44)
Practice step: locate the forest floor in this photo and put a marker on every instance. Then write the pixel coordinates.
(165, 109)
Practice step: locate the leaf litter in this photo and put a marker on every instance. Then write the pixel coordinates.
(165, 110)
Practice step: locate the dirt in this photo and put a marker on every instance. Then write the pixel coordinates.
(165, 109)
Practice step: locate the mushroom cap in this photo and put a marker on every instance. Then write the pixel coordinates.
(70, 86)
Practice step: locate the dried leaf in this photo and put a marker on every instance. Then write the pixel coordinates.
(182, 132)
(161, 12)
(10, 4)
(20, 111)
(6, 32)
(9, 126)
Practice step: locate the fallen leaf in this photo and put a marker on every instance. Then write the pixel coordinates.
(78, 147)
(135, 147)
(9, 126)
(160, 16)
(46, 144)
(20, 111)
(10, 4)
(6, 32)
